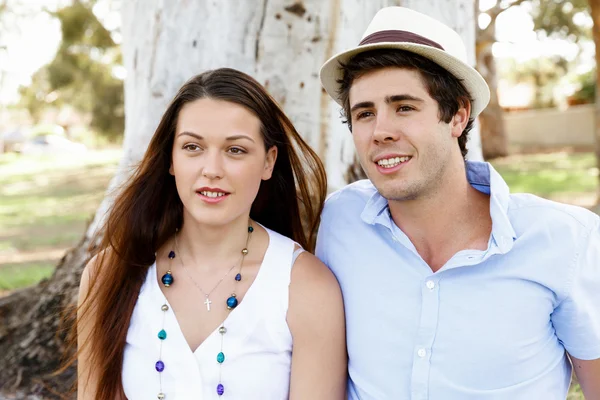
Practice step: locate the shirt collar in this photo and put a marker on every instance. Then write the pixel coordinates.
(483, 177)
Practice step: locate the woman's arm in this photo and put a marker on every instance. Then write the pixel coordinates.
(316, 320)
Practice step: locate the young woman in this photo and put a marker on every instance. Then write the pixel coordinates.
(201, 288)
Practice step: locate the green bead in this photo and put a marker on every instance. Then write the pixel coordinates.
(220, 358)
(162, 335)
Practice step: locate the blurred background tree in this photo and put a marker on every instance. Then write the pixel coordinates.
(84, 74)
(595, 13)
(553, 19)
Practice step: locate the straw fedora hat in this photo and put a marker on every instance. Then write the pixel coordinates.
(405, 29)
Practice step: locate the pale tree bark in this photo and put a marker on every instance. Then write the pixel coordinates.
(280, 42)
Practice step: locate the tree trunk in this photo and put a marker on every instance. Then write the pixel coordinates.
(281, 43)
(493, 134)
(595, 11)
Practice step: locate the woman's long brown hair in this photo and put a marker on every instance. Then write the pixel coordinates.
(147, 211)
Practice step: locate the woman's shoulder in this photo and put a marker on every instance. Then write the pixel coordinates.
(310, 273)
(322, 310)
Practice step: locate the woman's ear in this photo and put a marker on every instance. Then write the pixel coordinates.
(269, 163)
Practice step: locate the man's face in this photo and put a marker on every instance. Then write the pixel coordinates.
(402, 145)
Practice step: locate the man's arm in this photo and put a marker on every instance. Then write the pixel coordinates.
(588, 375)
(577, 318)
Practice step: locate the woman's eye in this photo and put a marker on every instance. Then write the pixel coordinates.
(236, 150)
(191, 147)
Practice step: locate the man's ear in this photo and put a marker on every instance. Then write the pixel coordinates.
(269, 163)
(461, 119)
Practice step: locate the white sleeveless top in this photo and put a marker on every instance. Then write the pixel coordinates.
(258, 343)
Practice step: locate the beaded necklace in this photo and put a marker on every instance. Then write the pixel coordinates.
(231, 303)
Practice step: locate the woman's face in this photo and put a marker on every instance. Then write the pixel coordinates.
(219, 160)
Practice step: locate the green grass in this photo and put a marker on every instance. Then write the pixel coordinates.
(46, 203)
(570, 178)
(18, 275)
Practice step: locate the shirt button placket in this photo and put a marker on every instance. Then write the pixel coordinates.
(425, 338)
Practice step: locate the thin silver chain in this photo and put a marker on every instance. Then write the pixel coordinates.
(192, 279)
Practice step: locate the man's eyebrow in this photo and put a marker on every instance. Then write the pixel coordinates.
(362, 104)
(388, 99)
(402, 97)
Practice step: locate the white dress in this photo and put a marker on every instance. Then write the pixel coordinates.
(258, 343)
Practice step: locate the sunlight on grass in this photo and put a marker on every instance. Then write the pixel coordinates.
(46, 203)
(556, 176)
(15, 276)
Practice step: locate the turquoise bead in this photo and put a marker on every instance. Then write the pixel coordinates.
(167, 279)
(220, 358)
(232, 302)
(162, 335)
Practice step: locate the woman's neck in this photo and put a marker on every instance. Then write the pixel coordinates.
(207, 247)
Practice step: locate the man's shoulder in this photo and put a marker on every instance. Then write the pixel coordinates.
(535, 210)
(351, 197)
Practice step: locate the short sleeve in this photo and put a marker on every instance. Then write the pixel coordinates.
(577, 318)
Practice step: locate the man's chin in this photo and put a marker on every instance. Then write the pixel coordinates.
(396, 191)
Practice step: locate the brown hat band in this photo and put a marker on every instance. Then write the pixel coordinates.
(398, 36)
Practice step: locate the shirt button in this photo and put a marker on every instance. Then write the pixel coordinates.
(430, 285)
(422, 353)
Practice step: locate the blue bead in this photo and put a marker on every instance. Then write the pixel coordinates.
(162, 335)
(232, 302)
(220, 389)
(160, 366)
(167, 279)
(171, 254)
(220, 358)
(250, 229)
(238, 277)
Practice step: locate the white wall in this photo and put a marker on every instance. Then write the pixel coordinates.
(550, 128)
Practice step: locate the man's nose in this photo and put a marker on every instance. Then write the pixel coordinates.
(385, 129)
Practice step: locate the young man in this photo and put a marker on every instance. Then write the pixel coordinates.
(453, 287)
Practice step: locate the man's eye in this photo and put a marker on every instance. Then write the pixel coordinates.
(405, 108)
(364, 114)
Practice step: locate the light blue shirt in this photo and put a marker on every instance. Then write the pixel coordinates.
(491, 324)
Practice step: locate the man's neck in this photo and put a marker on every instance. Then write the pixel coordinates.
(456, 217)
